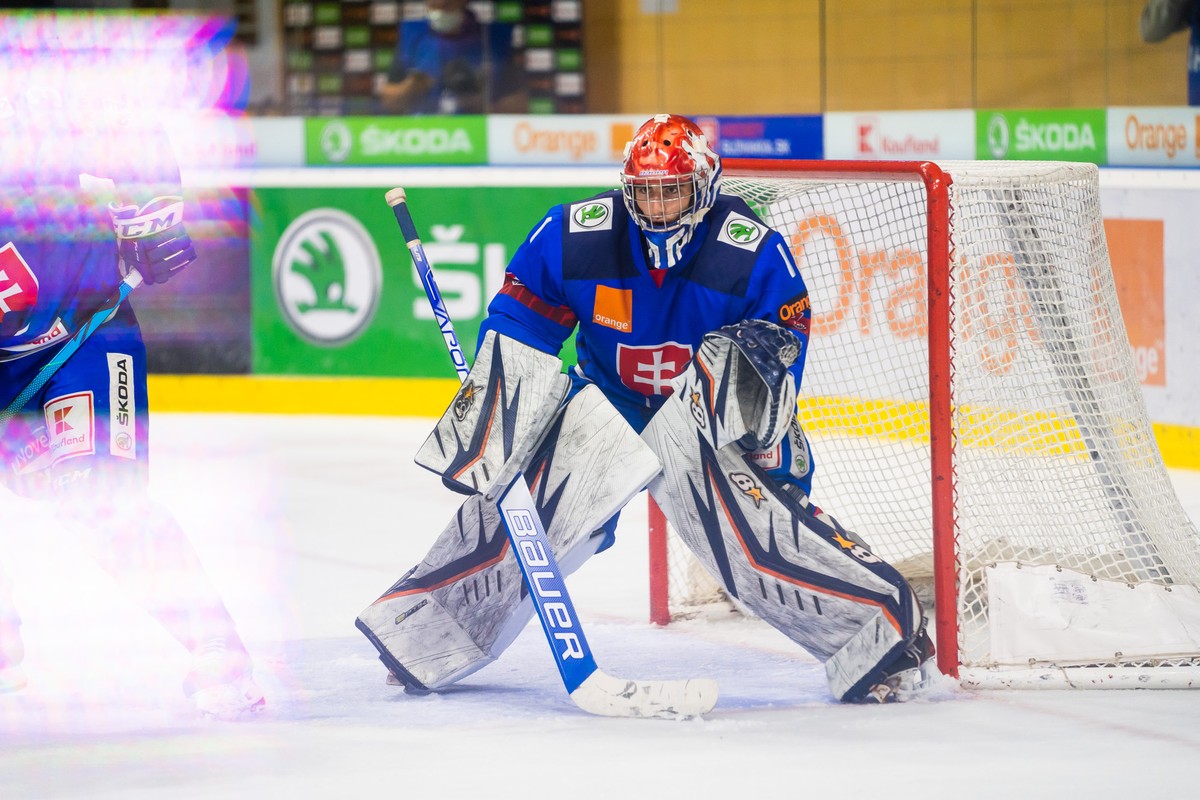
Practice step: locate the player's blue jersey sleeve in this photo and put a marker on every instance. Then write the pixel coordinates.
(531, 307)
(780, 296)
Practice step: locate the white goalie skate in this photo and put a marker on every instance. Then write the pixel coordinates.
(911, 675)
(221, 681)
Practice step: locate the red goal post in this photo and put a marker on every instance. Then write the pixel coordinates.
(994, 405)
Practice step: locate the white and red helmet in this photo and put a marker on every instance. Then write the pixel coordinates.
(671, 151)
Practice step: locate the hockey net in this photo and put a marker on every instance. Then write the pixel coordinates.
(975, 415)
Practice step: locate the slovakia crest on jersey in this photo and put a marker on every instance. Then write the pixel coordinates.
(649, 369)
(18, 284)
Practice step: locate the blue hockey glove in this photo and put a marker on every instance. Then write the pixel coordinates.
(152, 239)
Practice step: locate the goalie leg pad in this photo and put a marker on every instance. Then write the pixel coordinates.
(791, 564)
(497, 418)
(590, 467)
(465, 603)
(430, 626)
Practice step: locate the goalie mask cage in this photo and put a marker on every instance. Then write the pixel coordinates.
(974, 414)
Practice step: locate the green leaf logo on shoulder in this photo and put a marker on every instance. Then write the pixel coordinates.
(741, 231)
(592, 215)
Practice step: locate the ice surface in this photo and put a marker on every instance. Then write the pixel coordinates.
(303, 521)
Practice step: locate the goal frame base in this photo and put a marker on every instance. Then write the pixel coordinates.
(1094, 677)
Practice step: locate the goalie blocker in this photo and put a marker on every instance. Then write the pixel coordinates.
(763, 540)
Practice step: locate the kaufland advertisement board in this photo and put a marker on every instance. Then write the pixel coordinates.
(900, 135)
(1154, 137)
(212, 139)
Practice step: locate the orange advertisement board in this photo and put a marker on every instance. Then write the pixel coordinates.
(1136, 249)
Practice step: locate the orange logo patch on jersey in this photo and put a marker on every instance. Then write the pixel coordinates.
(796, 313)
(613, 308)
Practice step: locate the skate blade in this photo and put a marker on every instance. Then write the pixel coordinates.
(901, 687)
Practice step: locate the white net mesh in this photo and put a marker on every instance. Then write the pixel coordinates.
(1054, 457)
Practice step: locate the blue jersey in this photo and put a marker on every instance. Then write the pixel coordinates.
(584, 267)
(58, 264)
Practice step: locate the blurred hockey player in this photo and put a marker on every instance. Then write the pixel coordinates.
(691, 320)
(87, 198)
(1161, 19)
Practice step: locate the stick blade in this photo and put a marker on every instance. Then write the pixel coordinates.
(617, 697)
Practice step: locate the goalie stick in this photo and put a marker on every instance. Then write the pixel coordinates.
(590, 688)
(131, 282)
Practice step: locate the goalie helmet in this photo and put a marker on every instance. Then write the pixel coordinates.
(669, 180)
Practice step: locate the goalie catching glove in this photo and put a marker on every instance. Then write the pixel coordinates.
(755, 371)
(151, 239)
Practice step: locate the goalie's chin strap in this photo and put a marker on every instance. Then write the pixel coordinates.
(667, 249)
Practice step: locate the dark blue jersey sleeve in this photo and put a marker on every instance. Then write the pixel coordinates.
(778, 294)
(531, 306)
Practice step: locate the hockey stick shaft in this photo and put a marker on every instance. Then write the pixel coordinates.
(521, 520)
(131, 282)
(590, 688)
(408, 229)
